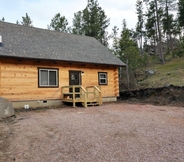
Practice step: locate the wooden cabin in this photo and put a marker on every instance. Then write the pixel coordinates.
(44, 68)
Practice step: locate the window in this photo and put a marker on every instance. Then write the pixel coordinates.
(102, 78)
(48, 77)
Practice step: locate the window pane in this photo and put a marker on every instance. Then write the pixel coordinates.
(103, 76)
(102, 81)
(52, 78)
(44, 77)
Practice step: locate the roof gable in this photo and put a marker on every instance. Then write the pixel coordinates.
(30, 42)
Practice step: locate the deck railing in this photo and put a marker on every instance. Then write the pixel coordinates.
(94, 92)
(77, 93)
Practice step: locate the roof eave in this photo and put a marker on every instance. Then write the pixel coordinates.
(106, 64)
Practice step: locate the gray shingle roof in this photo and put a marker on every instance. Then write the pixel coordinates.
(30, 42)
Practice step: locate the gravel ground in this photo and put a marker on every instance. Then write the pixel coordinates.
(114, 132)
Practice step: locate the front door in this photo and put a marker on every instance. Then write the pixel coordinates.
(75, 79)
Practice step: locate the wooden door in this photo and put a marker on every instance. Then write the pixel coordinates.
(75, 79)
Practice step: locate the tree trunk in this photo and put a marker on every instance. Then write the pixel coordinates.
(159, 33)
(142, 52)
(169, 36)
(155, 36)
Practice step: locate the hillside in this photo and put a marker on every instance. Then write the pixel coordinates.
(171, 73)
(164, 87)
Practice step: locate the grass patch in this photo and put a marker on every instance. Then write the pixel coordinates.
(172, 72)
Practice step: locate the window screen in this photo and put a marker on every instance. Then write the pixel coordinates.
(102, 78)
(48, 77)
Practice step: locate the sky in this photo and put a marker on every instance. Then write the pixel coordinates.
(42, 11)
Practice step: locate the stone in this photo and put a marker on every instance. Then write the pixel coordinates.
(6, 108)
(167, 85)
(151, 72)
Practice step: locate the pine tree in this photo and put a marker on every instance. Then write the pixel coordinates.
(157, 14)
(115, 45)
(181, 13)
(59, 23)
(168, 20)
(151, 28)
(3, 19)
(159, 32)
(128, 52)
(77, 23)
(95, 21)
(128, 48)
(140, 23)
(26, 20)
(92, 21)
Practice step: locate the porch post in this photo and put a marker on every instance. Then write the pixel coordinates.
(73, 91)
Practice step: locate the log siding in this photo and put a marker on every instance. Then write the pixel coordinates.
(19, 78)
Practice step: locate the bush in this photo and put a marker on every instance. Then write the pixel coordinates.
(180, 50)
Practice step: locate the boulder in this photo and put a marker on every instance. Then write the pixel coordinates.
(6, 108)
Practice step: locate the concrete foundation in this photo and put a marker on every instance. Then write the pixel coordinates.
(48, 103)
(37, 104)
(109, 99)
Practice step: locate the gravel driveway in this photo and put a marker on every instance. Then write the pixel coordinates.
(114, 132)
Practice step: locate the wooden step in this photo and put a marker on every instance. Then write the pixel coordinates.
(93, 104)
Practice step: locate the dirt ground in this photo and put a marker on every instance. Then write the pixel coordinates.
(113, 132)
(168, 95)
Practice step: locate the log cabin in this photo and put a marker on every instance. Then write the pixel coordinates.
(44, 68)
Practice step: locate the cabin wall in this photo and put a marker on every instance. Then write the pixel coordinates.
(19, 79)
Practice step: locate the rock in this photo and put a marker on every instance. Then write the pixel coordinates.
(6, 108)
(151, 72)
(167, 85)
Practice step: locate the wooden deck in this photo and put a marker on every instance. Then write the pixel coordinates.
(88, 96)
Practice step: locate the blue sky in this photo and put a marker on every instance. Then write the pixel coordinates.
(42, 11)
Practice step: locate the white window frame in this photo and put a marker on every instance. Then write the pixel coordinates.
(100, 78)
(48, 70)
